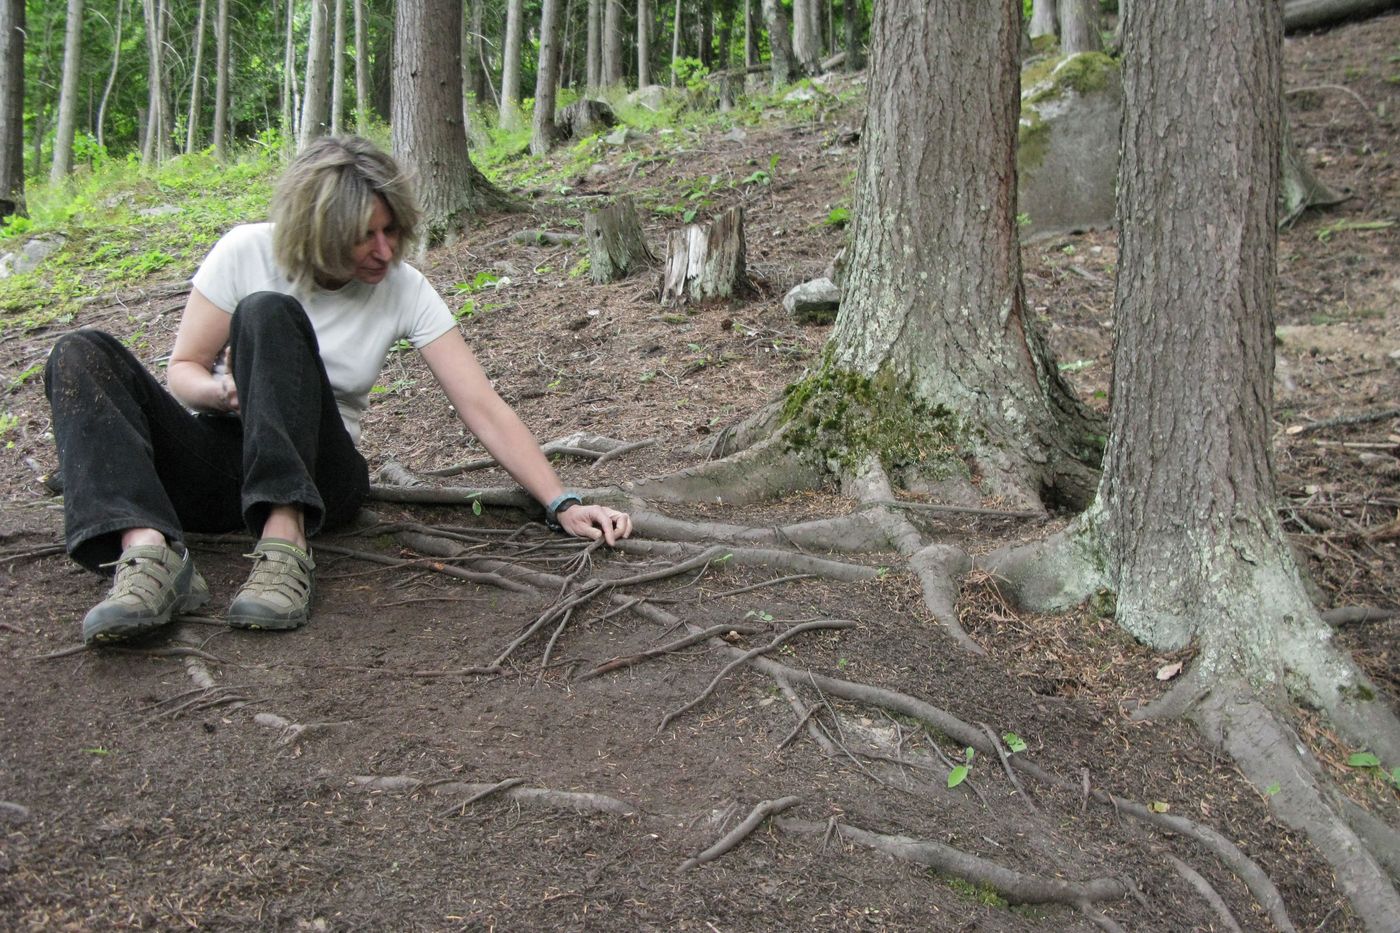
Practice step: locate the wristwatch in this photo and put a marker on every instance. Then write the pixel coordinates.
(560, 503)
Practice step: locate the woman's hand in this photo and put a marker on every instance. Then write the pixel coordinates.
(596, 521)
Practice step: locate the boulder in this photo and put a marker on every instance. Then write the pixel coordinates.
(30, 255)
(1067, 151)
(652, 97)
(624, 136)
(813, 302)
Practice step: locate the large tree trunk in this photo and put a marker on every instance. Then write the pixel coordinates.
(854, 58)
(705, 33)
(509, 114)
(546, 79)
(429, 137)
(751, 37)
(806, 36)
(221, 81)
(932, 299)
(11, 107)
(1079, 27)
(1184, 529)
(314, 105)
(1043, 19)
(612, 43)
(779, 43)
(594, 56)
(68, 94)
(643, 43)
(196, 83)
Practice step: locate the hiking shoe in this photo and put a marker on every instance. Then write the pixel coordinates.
(278, 593)
(153, 583)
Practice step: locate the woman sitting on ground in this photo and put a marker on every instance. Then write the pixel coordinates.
(283, 336)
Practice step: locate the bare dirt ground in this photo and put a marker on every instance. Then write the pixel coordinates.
(324, 779)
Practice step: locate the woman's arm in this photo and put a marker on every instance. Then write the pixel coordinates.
(202, 337)
(507, 439)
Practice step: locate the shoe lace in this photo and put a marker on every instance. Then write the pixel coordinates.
(140, 577)
(275, 573)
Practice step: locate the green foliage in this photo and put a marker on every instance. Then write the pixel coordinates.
(838, 217)
(960, 772)
(1014, 742)
(691, 73)
(984, 894)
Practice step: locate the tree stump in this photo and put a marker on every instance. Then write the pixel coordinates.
(704, 262)
(616, 244)
(583, 118)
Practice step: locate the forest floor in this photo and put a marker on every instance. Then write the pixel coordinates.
(322, 779)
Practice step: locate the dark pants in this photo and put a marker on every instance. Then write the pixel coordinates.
(134, 457)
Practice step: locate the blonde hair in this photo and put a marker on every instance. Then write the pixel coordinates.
(323, 204)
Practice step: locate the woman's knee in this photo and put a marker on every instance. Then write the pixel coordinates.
(268, 310)
(82, 356)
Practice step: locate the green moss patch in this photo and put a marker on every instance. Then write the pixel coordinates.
(842, 416)
(1082, 74)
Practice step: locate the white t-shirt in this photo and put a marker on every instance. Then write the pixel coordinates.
(355, 324)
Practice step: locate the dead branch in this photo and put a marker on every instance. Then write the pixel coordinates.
(750, 655)
(804, 716)
(597, 448)
(1203, 887)
(1365, 417)
(737, 835)
(50, 550)
(669, 648)
(1015, 886)
(13, 628)
(461, 807)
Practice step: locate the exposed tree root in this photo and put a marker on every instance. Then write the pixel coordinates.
(1016, 887)
(669, 648)
(748, 656)
(1270, 755)
(1204, 888)
(294, 732)
(763, 557)
(848, 533)
(460, 807)
(542, 796)
(471, 576)
(1355, 615)
(593, 447)
(741, 832)
(764, 471)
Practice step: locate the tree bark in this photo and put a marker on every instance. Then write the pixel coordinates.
(779, 43)
(314, 106)
(68, 95)
(290, 130)
(1079, 27)
(617, 247)
(643, 43)
(362, 65)
(750, 39)
(156, 148)
(222, 80)
(338, 67)
(806, 35)
(932, 296)
(11, 107)
(675, 42)
(509, 114)
(111, 75)
(593, 64)
(705, 262)
(546, 79)
(1043, 18)
(429, 137)
(854, 59)
(612, 43)
(704, 33)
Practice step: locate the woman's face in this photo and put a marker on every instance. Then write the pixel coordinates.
(373, 253)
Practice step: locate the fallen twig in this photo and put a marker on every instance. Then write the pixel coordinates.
(1365, 417)
(737, 835)
(1006, 765)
